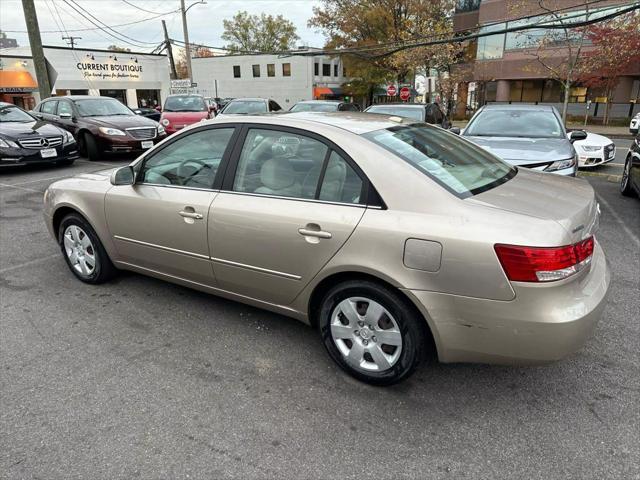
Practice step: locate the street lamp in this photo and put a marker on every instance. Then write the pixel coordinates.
(186, 34)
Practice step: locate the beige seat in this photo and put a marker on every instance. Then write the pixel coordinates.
(279, 178)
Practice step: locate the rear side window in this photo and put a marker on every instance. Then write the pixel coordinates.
(340, 183)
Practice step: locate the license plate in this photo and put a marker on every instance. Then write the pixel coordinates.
(147, 144)
(48, 152)
(610, 154)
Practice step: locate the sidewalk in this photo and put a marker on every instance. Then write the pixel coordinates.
(607, 131)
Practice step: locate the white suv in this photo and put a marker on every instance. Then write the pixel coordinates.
(635, 123)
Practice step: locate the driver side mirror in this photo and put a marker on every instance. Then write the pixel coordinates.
(123, 176)
(577, 135)
(455, 130)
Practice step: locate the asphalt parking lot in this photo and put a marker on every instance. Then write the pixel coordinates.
(143, 379)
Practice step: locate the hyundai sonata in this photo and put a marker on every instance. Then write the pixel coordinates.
(393, 238)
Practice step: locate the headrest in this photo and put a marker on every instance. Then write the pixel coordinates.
(277, 173)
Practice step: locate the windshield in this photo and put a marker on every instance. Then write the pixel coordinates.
(315, 107)
(515, 123)
(246, 107)
(459, 166)
(15, 114)
(95, 107)
(412, 113)
(186, 103)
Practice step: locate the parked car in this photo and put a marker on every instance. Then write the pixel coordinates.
(392, 237)
(635, 124)
(594, 150)
(423, 112)
(26, 140)
(530, 136)
(151, 113)
(100, 124)
(250, 106)
(180, 111)
(324, 106)
(213, 105)
(630, 182)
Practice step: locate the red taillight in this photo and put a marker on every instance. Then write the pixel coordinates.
(543, 264)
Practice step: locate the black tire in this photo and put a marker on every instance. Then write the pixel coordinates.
(626, 188)
(410, 324)
(89, 147)
(103, 268)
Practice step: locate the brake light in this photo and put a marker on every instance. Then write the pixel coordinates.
(544, 264)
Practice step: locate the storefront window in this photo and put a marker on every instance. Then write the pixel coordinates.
(117, 94)
(491, 47)
(148, 98)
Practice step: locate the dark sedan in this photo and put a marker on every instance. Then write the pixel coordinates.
(100, 124)
(324, 106)
(630, 183)
(26, 140)
(423, 112)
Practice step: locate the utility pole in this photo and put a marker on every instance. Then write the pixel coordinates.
(30, 17)
(173, 75)
(72, 40)
(186, 39)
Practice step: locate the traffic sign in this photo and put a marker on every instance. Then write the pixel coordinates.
(392, 90)
(405, 93)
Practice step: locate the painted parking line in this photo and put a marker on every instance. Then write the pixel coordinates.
(28, 264)
(623, 225)
(21, 188)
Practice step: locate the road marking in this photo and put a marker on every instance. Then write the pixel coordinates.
(28, 264)
(41, 180)
(21, 188)
(628, 231)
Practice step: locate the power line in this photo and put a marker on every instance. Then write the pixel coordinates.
(145, 10)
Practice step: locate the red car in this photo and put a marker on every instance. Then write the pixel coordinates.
(180, 111)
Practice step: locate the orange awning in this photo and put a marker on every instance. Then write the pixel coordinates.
(11, 81)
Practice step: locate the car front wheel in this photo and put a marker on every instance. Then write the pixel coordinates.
(83, 251)
(371, 332)
(625, 183)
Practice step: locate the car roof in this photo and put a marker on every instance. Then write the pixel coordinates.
(319, 101)
(355, 122)
(400, 104)
(250, 99)
(518, 106)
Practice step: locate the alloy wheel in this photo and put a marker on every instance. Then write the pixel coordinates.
(366, 334)
(625, 174)
(79, 250)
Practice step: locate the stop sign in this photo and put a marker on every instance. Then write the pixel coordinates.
(405, 93)
(392, 90)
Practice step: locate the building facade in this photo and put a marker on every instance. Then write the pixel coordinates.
(505, 67)
(136, 79)
(286, 79)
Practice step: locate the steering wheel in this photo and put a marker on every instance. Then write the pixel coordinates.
(181, 173)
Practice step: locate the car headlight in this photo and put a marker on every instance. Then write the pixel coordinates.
(68, 138)
(160, 130)
(112, 131)
(561, 164)
(164, 122)
(590, 148)
(8, 144)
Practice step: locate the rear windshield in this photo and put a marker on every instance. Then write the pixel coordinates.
(515, 123)
(412, 113)
(185, 104)
(247, 107)
(459, 166)
(315, 107)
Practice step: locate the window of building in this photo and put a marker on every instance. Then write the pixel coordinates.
(271, 70)
(491, 47)
(256, 70)
(236, 71)
(335, 70)
(326, 69)
(286, 69)
(316, 69)
(344, 71)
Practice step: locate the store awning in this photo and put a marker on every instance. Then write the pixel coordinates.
(16, 82)
(320, 91)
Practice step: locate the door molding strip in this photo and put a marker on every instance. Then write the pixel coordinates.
(257, 269)
(160, 247)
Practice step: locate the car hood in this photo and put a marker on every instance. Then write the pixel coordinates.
(569, 201)
(120, 121)
(526, 151)
(13, 130)
(593, 139)
(184, 117)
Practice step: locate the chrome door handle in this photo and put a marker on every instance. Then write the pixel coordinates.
(196, 216)
(314, 233)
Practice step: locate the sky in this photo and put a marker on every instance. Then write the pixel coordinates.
(205, 21)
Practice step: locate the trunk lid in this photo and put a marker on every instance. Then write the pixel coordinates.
(568, 201)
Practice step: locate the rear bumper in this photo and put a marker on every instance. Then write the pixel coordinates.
(545, 322)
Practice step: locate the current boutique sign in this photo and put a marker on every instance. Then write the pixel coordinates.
(110, 71)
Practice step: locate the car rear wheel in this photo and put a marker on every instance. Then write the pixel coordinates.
(371, 332)
(625, 183)
(89, 147)
(83, 251)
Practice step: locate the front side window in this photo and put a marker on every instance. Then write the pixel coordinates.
(236, 71)
(271, 70)
(286, 69)
(191, 161)
(49, 107)
(286, 164)
(64, 108)
(256, 70)
(515, 123)
(459, 166)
